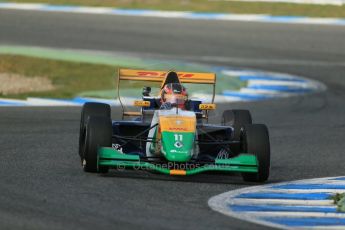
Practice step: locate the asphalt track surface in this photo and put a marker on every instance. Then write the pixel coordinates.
(42, 184)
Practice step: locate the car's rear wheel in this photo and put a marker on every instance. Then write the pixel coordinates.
(255, 140)
(91, 109)
(236, 118)
(98, 133)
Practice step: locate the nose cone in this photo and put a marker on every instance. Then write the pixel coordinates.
(178, 129)
(177, 146)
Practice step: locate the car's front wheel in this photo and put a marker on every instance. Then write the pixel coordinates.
(91, 109)
(98, 133)
(255, 140)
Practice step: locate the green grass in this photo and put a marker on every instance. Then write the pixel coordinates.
(339, 200)
(69, 78)
(212, 6)
(337, 197)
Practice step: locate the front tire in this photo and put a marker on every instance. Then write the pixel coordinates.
(91, 109)
(255, 140)
(98, 133)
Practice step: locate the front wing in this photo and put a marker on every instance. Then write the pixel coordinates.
(112, 158)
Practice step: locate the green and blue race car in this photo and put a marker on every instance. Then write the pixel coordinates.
(166, 129)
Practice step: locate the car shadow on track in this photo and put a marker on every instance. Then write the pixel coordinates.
(218, 178)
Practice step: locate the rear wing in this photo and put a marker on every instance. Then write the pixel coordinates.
(159, 76)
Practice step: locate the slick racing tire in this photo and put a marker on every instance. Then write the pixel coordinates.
(236, 118)
(255, 140)
(98, 133)
(91, 109)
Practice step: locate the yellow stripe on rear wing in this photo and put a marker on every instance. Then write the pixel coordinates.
(159, 76)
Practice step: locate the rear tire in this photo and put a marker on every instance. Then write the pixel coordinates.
(236, 118)
(255, 140)
(98, 133)
(91, 109)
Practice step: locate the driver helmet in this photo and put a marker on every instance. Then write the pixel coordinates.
(175, 94)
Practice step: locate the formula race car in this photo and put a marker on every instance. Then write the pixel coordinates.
(166, 129)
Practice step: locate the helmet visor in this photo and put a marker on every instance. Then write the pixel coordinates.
(177, 99)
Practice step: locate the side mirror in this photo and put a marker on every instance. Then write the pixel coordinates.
(146, 91)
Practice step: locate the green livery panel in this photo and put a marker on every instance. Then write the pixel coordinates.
(178, 146)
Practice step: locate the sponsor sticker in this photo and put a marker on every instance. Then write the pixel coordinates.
(178, 144)
(142, 103)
